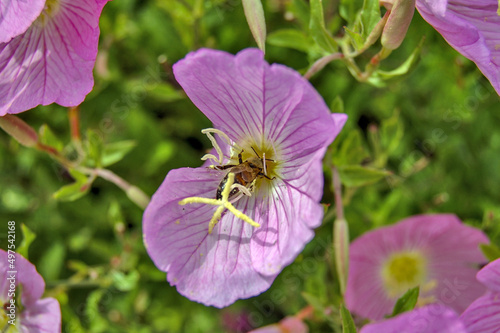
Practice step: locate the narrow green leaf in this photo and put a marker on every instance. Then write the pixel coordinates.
(314, 301)
(391, 133)
(348, 10)
(337, 105)
(317, 28)
(352, 151)
(356, 38)
(164, 92)
(357, 175)
(370, 15)
(52, 261)
(490, 251)
(300, 9)
(76, 190)
(406, 302)
(94, 146)
(290, 38)
(254, 13)
(28, 237)
(347, 321)
(93, 310)
(115, 151)
(47, 137)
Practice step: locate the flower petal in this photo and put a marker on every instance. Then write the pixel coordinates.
(16, 16)
(489, 275)
(247, 98)
(51, 62)
(483, 315)
(26, 275)
(434, 318)
(213, 269)
(44, 316)
(450, 262)
(471, 28)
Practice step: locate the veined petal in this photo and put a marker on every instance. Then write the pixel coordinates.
(489, 275)
(450, 263)
(25, 275)
(53, 60)
(434, 318)
(471, 28)
(483, 315)
(249, 99)
(213, 269)
(16, 16)
(44, 316)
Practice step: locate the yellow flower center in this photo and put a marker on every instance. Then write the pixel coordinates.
(6, 322)
(403, 271)
(50, 10)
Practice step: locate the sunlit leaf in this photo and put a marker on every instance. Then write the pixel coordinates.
(356, 175)
(406, 302)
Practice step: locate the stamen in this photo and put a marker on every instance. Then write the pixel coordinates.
(242, 189)
(264, 162)
(223, 203)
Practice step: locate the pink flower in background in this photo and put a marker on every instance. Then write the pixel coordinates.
(38, 315)
(434, 318)
(287, 325)
(483, 315)
(47, 55)
(272, 116)
(472, 28)
(436, 252)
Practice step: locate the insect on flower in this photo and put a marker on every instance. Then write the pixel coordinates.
(245, 175)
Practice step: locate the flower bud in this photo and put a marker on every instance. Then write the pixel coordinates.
(401, 13)
(341, 248)
(19, 130)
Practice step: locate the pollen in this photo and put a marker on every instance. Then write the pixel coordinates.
(402, 271)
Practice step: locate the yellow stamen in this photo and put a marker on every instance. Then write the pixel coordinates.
(223, 203)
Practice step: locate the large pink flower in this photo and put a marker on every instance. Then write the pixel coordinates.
(472, 27)
(266, 110)
(52, 59)
(38, 315)
(436, 252)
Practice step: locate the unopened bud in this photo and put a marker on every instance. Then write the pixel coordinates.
(401, 13)
(341, 248)
(19, 130)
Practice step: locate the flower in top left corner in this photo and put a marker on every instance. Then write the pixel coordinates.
(47, 52)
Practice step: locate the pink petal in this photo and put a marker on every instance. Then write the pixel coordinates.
(52, 62)
(490, 275)
(483, 315)
(44, 316)
(213, 269)
(25, 275)
(452, 262)
(434, 318)
(16, 16)
(471, 28)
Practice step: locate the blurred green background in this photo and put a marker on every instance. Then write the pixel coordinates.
(427, 142)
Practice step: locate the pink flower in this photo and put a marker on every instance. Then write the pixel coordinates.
(47, 55)
(472, 28)
(483, 315)
(287, 325)
(434, 318)
(38, 315)
(279, 124)
(436, 252)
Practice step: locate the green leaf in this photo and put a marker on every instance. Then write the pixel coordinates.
(490, 251)
(348, 10)
(125, 282)
(352, 151)
(347, 321)
(48, 138)
(317, 28)
(52, 260)
(356, 38)
(254, 13)
(164, 92)
(357, 175)
(313, 301)
(337, 105)
(93, 310)
(115, 151)
(290, 38)
(391, 133)
(300, 9)
(370, 15)
(94, 146)
(28, 237)
(76, 190)
(380, 78)
(406, 302)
